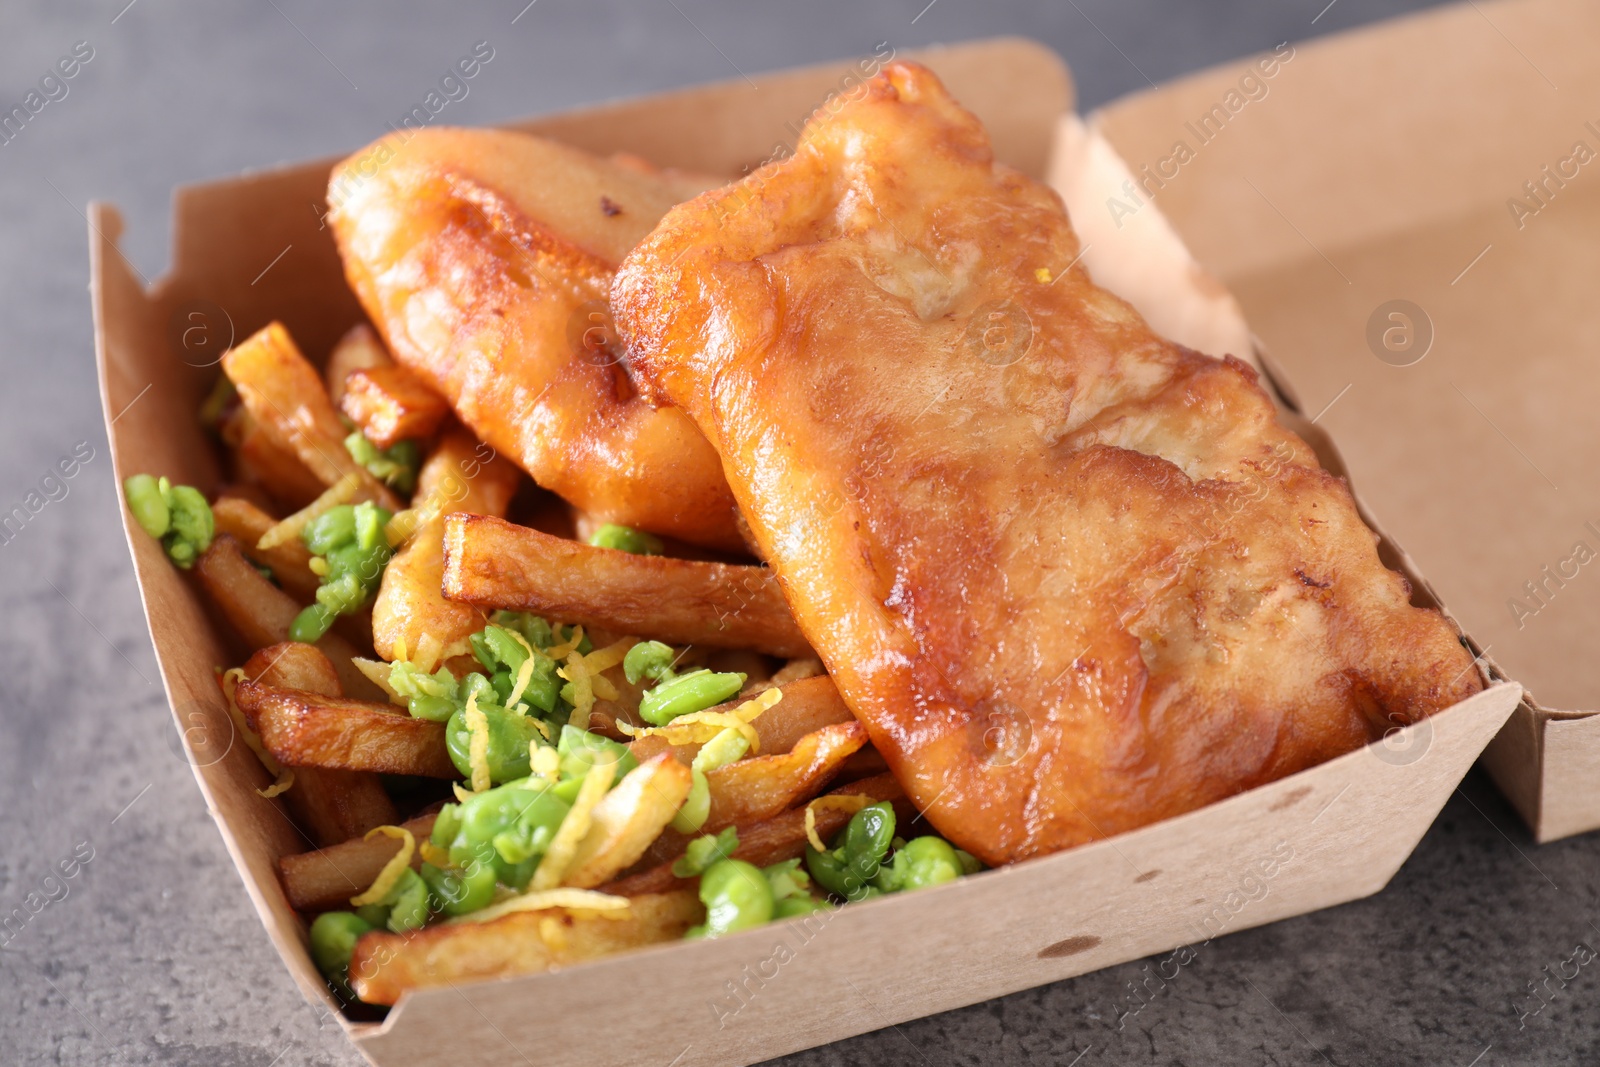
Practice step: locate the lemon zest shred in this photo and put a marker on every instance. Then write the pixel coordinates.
(567, 647)
(575, 900)
(230, 682)
(400, 650)
(462, 795)
(397, 865)
(538, 724)
(698, 727)
(285, 780)
(577, 673)
(433, 854)
(544, 761)
(398, 530)
(603, 659)
(846, 802)
(564, 846)
(429, 650)
(524, 672)
(478, 743)
(377, 672)
(318, 566)
(340, 492)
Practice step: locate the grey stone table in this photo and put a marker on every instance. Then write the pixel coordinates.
(151, 953)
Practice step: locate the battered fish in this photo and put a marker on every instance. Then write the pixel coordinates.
(1073, 578)
(484, 258)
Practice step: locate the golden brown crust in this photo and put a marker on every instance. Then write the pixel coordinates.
(484, 258)
(1073, 578)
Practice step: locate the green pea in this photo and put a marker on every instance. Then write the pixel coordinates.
(727, 747)
(509, 735)
(970, 864)
(687, 693)
(867, 838)
(193, 525)
(333, 939)
(535, 629)
(706, 850)
(395, 466)
(408, 902)
(446, 825)
(487, 814)
(925, 861)
(334, 527)
(831, 873)
(581, 750)
(370, 521)
(647, 659)
(736, 896)
(149, 508)
(460, 892)
(696, 807)
(516, 875)
(627, 539)
(375, 914)
(789, 907)
(313, 621)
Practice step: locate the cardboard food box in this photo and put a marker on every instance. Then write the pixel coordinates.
(253, 249)
(1410, 215)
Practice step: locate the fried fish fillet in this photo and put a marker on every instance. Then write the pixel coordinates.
(1073, 578)
(484, 258)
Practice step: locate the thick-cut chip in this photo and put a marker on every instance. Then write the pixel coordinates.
(782, 837)
(751, 790)
(358, 349)
(495, 564)
(1074, 578)
(384, 965)
(290, 562)
(261, 613)
(391, 404)
(331, 806)
(484, 257)
(627, 820)
(756, 789)
(329, 877)
(262, 458)
(461, 473)
(281, 389)
(307, 730)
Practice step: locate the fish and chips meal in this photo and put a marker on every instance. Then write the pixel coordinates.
(668, 556)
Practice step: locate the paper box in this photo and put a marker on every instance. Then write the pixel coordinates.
(252, 249)
(1410, 215)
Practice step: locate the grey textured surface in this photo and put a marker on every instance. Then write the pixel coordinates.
(153, 955)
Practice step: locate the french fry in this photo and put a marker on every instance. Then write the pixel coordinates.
(290, 562)
(753, 790)
(261, 613)
(331, 806)
(627, 820)
(392, 404)
(359, 349)
(494, 564)
(308, 730)
(282, 390)
(329, 877)
(782, 837)
(262, 458)
(384, 965)
(460, 473)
